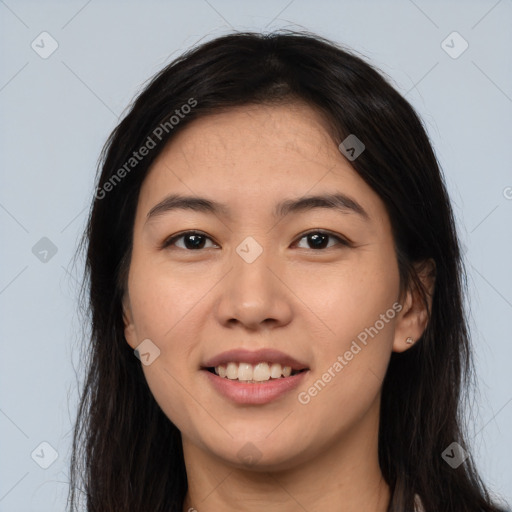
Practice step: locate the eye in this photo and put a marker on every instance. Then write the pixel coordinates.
(319, 238)
(193, 240)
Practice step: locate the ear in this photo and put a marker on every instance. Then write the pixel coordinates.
(130, 333)
(414, 316)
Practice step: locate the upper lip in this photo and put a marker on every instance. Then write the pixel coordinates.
(241, 355)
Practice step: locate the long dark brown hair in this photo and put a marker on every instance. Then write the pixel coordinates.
(127, 455)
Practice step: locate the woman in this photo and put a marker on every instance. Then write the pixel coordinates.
(276, 290)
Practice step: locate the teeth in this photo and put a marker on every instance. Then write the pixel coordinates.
(275, 371)
(232, 371)
(245, 371)
(261, 372)
(253, 373)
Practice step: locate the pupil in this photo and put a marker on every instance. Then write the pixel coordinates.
(194, 245)
(319, 240)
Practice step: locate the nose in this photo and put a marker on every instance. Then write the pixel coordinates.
(254, 295)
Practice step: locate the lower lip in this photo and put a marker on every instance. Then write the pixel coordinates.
(247, 393)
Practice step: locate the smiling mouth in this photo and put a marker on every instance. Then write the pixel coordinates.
(253, 374)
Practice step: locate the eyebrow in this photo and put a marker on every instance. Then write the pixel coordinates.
(336, 201)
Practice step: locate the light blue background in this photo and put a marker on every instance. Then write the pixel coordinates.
(57, 112)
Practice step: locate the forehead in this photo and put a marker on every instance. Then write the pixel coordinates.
(254, 154)
(293, 130)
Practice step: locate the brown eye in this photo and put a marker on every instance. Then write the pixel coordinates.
(319, 239)
(192, 240)
(195, 240)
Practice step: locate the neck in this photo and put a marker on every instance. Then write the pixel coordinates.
(343, 477)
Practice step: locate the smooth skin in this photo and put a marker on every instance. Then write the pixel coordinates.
(311, 303)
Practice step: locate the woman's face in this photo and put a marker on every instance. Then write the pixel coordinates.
(260, 276)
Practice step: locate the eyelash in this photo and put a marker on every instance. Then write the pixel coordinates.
(342, 241)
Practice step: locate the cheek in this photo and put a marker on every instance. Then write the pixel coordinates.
(167, 310)
(346, 299)
(358, 309)
(350, 365)
(163, 300)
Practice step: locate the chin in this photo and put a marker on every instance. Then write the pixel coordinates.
(262, 456)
